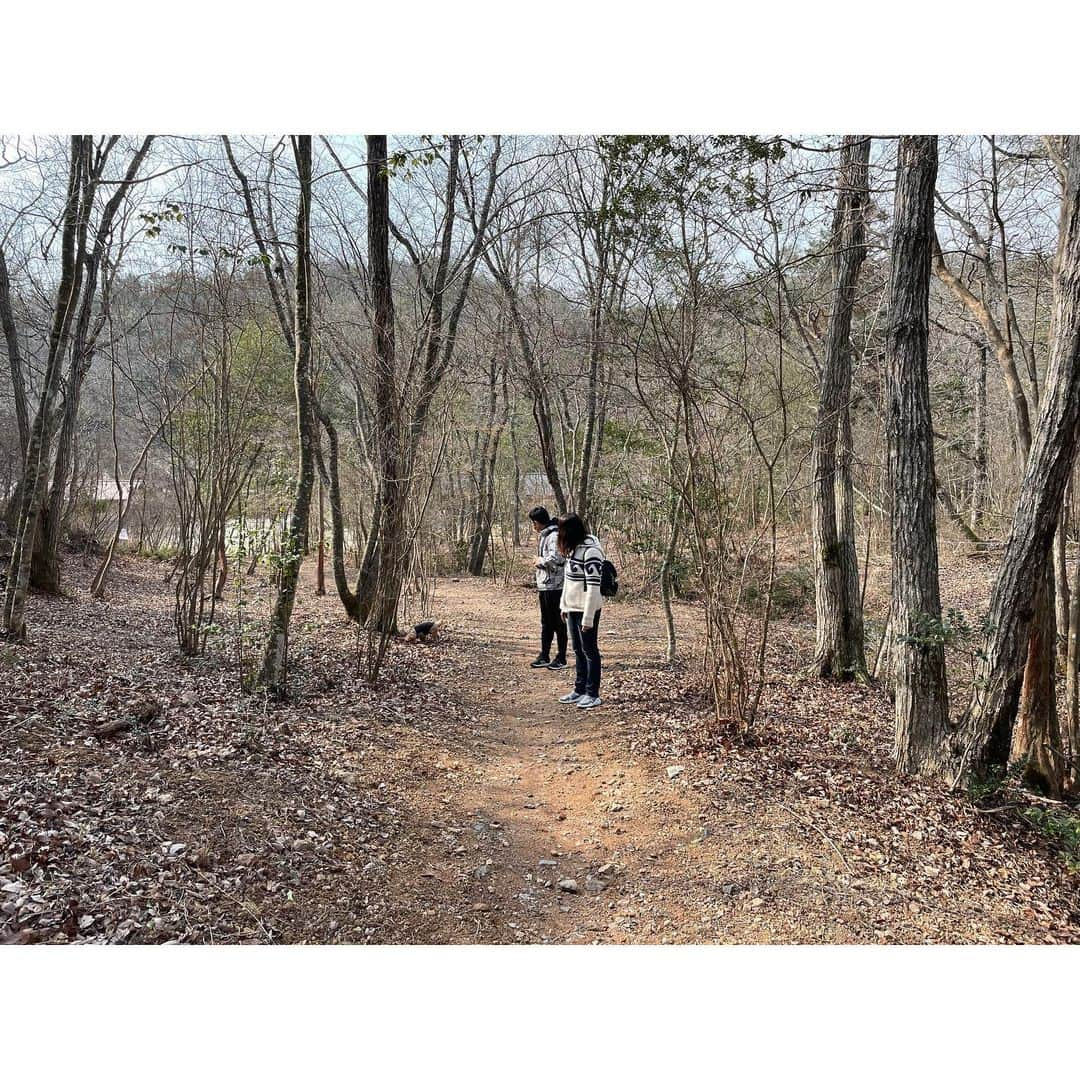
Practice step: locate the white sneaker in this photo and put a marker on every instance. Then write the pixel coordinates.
(587, 702)
(569, 699)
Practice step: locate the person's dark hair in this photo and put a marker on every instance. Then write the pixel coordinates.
(539, 514)
(571, 533)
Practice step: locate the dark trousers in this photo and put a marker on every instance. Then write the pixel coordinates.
(586, 653)
(551, 624)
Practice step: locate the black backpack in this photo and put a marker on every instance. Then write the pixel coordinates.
(609, 579)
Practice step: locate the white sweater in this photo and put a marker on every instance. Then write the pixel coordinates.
(581, 583)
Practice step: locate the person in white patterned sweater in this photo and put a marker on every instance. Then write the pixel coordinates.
(581, 604)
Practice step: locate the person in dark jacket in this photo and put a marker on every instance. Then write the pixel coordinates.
(549, 583)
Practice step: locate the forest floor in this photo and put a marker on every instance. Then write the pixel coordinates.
(458, 802)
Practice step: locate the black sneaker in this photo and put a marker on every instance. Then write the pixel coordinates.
(540, 661)
(557, 664)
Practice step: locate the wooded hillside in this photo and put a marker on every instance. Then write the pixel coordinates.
(268, 402)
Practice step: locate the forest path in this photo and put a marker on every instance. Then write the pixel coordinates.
(547, 793)
(448, 802)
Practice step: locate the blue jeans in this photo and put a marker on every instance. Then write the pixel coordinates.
(586, 654)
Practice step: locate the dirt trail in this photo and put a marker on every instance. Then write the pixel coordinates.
(549, 794)
(449, 802)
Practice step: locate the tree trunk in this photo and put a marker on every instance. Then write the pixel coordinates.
(1071, 725)
(1036, 742)
(350, 601)
(922, 702)
(675, 507)
(369, 561)
(123, 506)
(584, 487)
(535, 379)
(1002, 349)
(955, 516)
(274, 672)
(36, 463)
(1001, 340)
(484, 515)
(390, 550)
(839, 652)
(516, 509)
(987, 723)
(1061, 578)
(221, 562)
(14, 351)
(320, 568)
(45, 565)
(980, 476)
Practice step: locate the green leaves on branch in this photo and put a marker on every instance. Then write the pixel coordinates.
(154, 219)
(649, 172)
(952, 630)
(279, 560)
(172, 213)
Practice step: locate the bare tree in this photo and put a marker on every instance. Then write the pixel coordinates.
(1034, 693)
(980, 478)
(101, 262)
(985, 732)
(390, 553)
(839, 651)
(489, 437)
(14, 351)
(922, 701)
(274, 672)
(38, 447)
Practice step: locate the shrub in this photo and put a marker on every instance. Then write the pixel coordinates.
(83, 542)
(793, 590)
(1061, 828)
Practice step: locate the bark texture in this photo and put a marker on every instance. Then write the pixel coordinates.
(274, 671)
(1036, 741)
(487, 452)
(14, 351)
(1038, 726)
(390, 551)
(980, 473)
(1015, 603)
(840, 648)
(1071, 720)
(922, 703)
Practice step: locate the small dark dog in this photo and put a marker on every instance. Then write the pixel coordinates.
(425, 633)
